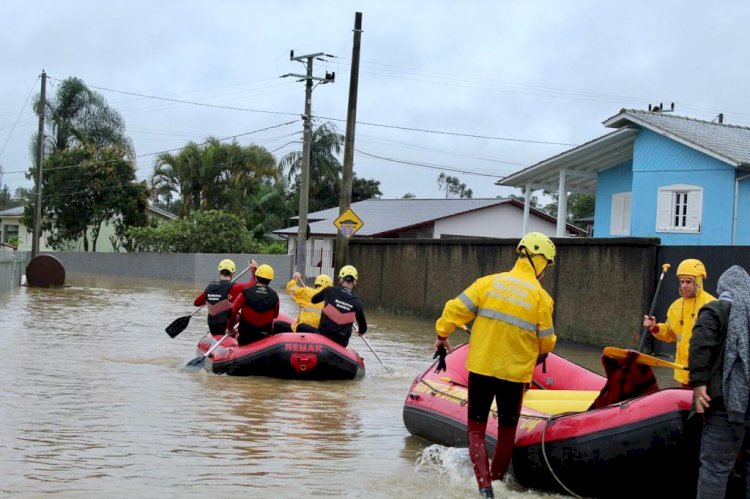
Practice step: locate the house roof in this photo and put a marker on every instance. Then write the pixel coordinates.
(382, 217)
(581, 164)
(728, 143)
(18, 211)
(12, 212)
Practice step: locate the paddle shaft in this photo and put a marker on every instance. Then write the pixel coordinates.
(645, 333)
(178, 325)
(199, 360)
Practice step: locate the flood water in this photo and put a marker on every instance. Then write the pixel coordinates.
(94, 403)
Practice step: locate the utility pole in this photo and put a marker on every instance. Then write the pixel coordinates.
(342, 242)
(304, 190)
(39, 161)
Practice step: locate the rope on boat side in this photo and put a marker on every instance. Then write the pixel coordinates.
(546, 459)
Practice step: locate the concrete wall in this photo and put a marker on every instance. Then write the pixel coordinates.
(601, 287)
(198, 267)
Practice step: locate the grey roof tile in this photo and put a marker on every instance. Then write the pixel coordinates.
(380, 216)
(729, 141)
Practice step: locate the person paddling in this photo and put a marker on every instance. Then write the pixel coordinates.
(512, 331)
(258, 306)
(219, 294)
(341, 307)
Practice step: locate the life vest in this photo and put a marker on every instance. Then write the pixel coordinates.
(217, 301)
(261, 306)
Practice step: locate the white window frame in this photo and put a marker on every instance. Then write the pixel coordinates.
(679, 209)
(619, 223)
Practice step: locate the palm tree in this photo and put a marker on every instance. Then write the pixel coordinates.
(326, 143)
(78, 116)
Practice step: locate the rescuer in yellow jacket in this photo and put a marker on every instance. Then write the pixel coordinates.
(682, 314)
(309, 313)
(512, 330)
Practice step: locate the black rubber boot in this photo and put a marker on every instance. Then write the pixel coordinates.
(486, 492)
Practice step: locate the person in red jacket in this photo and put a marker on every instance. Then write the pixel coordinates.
(219, 294)
(258, 306)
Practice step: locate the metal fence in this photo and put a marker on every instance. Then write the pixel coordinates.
(317, 262)
(11, 268)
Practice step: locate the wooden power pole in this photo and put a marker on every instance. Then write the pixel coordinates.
(342, 242)
(39, 160)
(304, 191)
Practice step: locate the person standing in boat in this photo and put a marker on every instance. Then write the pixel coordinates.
(341, 307)
(682, 313)
(257, 306)
(309, 314)
(512, 332)
(219, 294)
(719, 372)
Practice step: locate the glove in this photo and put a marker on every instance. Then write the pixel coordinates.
(541, 358)
(440, 354)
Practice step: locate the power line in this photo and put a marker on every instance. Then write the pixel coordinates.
(428, 165)
(19, 116)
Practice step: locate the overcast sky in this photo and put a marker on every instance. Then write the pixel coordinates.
(534, 78)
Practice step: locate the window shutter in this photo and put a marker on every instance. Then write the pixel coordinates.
(664, 210)
(620, 219)
(695, 209)
(615, 224)
(626, 203)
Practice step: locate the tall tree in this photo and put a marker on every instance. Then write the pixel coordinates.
(453, 187)
(82, 189)
(212, 175)
(78, 116)
(325, 172)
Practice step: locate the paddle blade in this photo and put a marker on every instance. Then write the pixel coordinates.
(196, 363)
(648, 360)
(177, 326)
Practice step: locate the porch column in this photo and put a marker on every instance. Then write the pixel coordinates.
(562, 205)
(526, 205)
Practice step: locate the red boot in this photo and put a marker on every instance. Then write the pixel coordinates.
(478, 453)
(506, 437)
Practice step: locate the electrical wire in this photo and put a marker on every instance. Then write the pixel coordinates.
(19, 117)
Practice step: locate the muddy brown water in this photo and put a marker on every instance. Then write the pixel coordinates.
(94, 403)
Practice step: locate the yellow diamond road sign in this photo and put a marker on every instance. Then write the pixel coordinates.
(348, 223)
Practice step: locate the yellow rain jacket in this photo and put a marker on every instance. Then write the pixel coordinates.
(309, 312)
(513, 323)
(679, 327)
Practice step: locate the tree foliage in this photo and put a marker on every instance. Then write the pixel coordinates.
(209, 231)
(213, 175)
(77, 116)
(579, 205)
(325, 172)
(453, 187)
(82, 189)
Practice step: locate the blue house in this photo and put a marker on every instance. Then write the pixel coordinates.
(683, 180)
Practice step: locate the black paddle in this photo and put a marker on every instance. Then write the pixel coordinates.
(198, 362)
(645, 333)
(179, 324)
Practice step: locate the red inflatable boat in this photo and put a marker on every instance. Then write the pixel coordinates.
(283, 355)
(643, 446)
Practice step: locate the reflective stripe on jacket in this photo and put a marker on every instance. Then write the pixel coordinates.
(309, 312)
(679, 328)
(512, 323)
